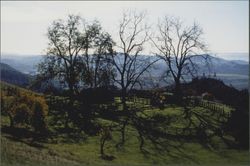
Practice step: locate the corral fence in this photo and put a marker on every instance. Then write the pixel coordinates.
(140, 100)
(217, 107)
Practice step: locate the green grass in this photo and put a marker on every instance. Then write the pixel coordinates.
(86, 152)
(60, 151)
(15, 153)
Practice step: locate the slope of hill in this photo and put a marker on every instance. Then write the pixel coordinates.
(222, 66)
(243, 56)
(18, 146)
(13, 76)
(24, 64)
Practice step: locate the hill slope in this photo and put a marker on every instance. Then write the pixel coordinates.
(13, 76)
(24, 64)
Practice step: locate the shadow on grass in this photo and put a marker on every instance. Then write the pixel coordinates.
(23, 135)
(163, 148)
(68, 135)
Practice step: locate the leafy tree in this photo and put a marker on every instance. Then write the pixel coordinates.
(66, 41)
(78, 56)
(75, 53)
(7, 107)
(97, 67)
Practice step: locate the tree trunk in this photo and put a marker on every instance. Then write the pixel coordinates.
(141, 141)
(69, 112)
(66, 124)
(123, 97)
(11, 120)
(102, 147)
(177, 86)
(124, 109)
(177, 91)
(123, 131)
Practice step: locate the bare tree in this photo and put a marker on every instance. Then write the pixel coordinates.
(130, 65)
(178, 45)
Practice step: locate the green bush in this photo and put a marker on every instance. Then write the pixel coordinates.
(22, 114)
(24, 107)
(40, 111)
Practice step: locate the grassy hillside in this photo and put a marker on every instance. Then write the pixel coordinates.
(64, 152)
(76, 148)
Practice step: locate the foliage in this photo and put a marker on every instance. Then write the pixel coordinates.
(78, 54)
(40, 111)
(22, 114)
(24, 107)
(158, 99)
(105, 135)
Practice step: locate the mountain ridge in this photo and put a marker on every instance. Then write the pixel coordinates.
(233, 72)
(13, 76)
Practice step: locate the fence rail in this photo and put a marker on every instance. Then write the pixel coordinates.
(213, 106)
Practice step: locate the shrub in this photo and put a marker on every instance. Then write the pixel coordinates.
(24, 107)
(22, 114)
(40, 111)
(105, 135)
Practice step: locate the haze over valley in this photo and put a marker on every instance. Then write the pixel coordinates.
(233, 70)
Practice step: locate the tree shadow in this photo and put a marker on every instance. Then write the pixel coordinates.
(24, 135)
(68, 135)
(149, 129)
(202, 130)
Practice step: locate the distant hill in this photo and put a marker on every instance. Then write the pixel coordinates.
(24, 64)
(233, 70)
(228, 95)
(223, 66)
(243, 56)
(217, 65)
(13, 76)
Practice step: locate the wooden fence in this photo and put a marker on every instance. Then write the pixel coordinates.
(213, 106)
(140, 100)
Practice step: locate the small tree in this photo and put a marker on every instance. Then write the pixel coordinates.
(7, 107)
(106, 135)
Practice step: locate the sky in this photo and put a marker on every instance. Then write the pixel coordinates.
(24, 23)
